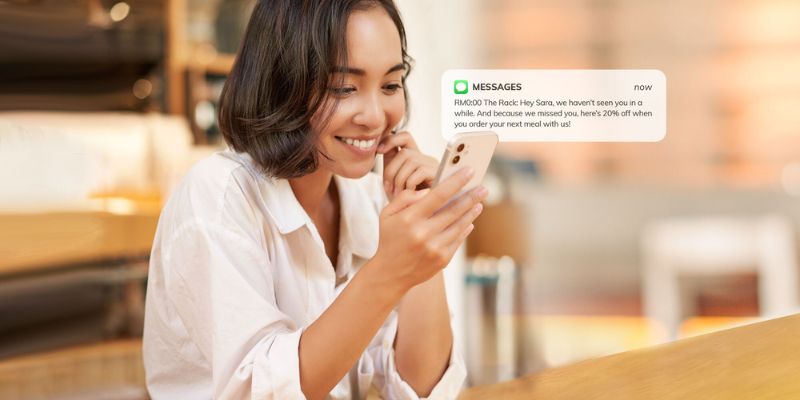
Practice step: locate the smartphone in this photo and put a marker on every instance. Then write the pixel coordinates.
(467, 149)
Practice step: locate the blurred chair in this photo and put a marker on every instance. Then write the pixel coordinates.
(677, 249)
(497, 346)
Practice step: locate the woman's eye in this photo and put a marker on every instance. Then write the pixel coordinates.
(342, 91)
(393, 87)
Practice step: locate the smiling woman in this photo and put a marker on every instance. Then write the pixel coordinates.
(283, 267)
(295, 65)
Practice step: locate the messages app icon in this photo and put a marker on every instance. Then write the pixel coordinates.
(460, 87)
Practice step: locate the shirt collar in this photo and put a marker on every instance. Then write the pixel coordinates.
(289, 215)
(358, 218)
(278, 197)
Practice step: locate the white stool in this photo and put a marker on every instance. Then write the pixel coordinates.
(706, 246)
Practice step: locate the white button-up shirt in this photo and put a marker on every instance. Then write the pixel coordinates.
(238, 271)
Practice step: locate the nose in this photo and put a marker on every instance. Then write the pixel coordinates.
(371, 113)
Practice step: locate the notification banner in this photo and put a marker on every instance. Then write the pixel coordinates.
(556, 105)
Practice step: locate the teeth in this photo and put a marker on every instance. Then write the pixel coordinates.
(362, 144)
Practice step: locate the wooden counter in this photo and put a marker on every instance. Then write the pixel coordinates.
(113, 228)
(758, 361)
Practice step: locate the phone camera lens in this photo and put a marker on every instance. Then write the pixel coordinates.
(456, 159)
(460, 147)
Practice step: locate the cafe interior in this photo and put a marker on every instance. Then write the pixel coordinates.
(629, 269)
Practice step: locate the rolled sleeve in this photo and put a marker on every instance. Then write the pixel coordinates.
(279, 369)
(391, 384)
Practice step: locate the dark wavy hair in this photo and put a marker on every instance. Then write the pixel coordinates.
(281, 77)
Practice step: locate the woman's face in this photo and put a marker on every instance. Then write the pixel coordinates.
(370, 95)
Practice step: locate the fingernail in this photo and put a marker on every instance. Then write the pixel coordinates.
(469, 172)
(483, 192)
(478, 208)
(422, 192)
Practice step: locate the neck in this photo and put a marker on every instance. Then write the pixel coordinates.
(313, 191)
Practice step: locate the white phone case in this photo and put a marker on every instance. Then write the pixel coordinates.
(467, 149)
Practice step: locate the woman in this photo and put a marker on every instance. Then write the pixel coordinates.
(284, 268)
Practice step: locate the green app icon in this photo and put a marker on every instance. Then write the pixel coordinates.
(460, 87)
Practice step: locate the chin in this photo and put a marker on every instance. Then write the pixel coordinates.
(354, 171)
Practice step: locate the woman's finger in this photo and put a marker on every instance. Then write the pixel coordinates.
(443, 193)
(421, 176)
(399, 139)
(389, 156)
(403, 199)
(453, 246)
(464, 204)
(454, 230)
(401, 178)
(448, 243)
(390, 169)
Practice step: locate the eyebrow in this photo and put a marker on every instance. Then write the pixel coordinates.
(361, 72)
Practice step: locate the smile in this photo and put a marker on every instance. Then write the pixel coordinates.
(368, 144)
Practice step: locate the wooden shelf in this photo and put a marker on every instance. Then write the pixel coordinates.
(220, 64)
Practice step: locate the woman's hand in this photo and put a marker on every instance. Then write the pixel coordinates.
(404, 166)
(420, 231)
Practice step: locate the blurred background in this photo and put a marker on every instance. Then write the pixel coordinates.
(583, 250)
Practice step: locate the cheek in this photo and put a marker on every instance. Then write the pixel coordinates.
(394, 107)
(335, 120)
(395, 110)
